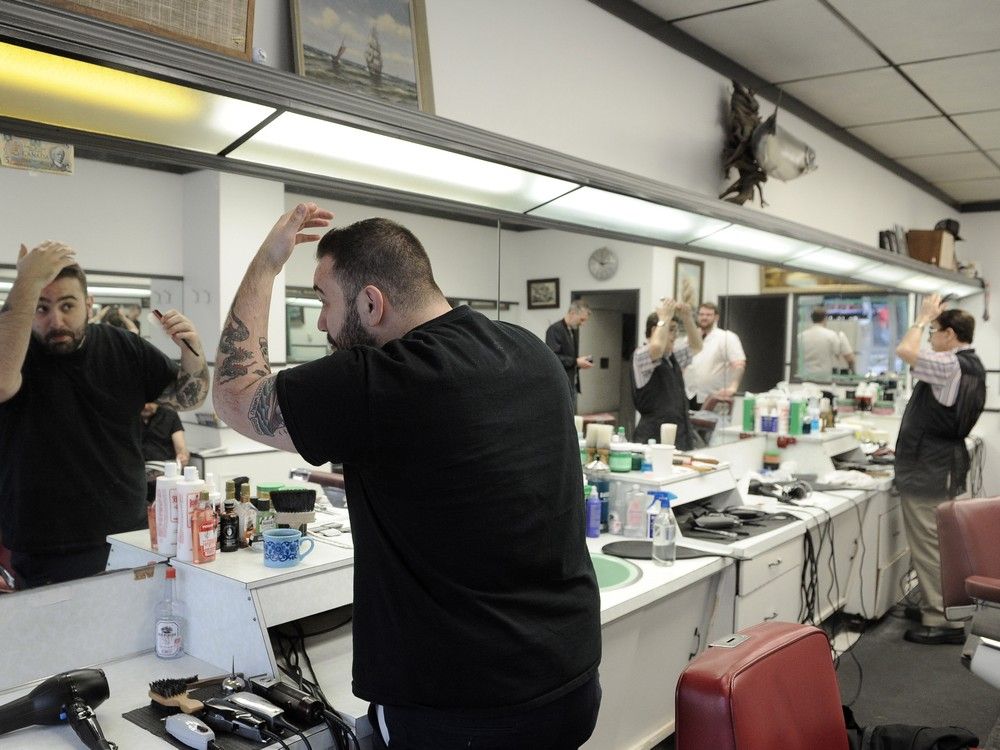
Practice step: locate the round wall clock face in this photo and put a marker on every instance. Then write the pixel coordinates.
(603, 263)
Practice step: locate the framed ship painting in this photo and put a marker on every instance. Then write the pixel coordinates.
(373, 47)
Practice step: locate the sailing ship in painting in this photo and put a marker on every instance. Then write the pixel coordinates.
(378, 64)
(373, 57)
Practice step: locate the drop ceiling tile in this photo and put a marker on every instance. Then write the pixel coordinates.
(972, 191)
(966, 166)
(930, 135)
(671, 9)
(862, 98)
(930, 30)
(960, 84)
(783, 40)
(982, 127)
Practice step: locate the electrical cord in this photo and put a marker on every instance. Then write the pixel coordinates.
(274, 738)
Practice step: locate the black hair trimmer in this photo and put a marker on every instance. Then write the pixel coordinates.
(64, 698)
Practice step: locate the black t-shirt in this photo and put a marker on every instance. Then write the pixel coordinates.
(157, 436)
(71, 471)
(473, 587)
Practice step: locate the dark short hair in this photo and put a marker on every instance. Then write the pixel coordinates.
(652, 320)
(818, 314)
(963, 324)
(709, 306)
(382, 253)
(115, 318)
(74, 271)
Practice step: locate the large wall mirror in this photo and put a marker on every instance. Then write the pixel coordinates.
(485, 263)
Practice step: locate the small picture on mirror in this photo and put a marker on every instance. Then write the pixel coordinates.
(689, 281)
(543, 293)
(373, 47)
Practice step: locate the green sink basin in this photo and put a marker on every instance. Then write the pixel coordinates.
(614, 572)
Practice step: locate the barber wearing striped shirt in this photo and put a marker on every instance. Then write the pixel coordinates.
(931, 458)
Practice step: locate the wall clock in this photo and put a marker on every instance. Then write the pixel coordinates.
(603, 263)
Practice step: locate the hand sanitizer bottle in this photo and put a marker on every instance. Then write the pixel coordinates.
(593, 514)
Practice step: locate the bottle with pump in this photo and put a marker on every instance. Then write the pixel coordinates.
(189, 491)
(593, 514)
(170, 621)
(166, 510)
(665, 531)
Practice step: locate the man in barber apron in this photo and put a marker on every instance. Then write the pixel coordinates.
(657, 380)
(931, 458)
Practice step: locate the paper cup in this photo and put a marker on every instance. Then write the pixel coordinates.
(668, 434)
(663, 460)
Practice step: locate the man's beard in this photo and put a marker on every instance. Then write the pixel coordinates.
(352, 333)
(63, 347)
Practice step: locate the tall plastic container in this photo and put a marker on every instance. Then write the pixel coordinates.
(665, 531)
(165, 501)
(593, 514)
(635, 513)
(170, 620)
(189, 491)
(620, 457)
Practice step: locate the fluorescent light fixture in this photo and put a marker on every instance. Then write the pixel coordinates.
(922, 284)
(303, 302)
(882, 273)
(315, 146)
(755, 244)
(960, 290)
(828, 260)
(5, 286)
(41, 87)
(117, 291)
(621, 213)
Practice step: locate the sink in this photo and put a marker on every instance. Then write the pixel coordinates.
(614, 572)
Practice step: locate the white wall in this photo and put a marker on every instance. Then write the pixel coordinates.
(117, 218)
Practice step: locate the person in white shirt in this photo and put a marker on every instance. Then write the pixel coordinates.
(823, 349)
(716, 371)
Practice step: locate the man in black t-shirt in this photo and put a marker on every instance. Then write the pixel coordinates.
(163, 434)
(71, 469)
(476, 609)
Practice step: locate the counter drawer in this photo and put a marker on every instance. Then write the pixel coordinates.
(891, 536)
(769, 565)
(891, 584)
(779, 599)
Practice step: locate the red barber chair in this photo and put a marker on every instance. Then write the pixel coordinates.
(771, 685)
(968, 531)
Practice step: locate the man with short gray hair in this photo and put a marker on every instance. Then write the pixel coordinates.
(563, 338)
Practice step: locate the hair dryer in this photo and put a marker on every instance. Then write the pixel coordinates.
(67, 697)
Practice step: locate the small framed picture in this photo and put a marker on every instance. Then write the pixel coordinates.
(543, 293)
(689, 281)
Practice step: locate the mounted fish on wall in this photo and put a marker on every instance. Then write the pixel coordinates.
(758, 150)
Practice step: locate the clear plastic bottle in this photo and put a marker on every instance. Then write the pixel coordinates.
(635, 513)
(170, 621)
(620, 458)
(665, 532)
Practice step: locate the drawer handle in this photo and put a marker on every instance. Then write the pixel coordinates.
(775, 563)
(772, 616)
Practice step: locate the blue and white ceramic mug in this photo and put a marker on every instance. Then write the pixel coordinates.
(283, 547)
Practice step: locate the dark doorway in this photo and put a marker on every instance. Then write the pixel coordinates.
(761, 322)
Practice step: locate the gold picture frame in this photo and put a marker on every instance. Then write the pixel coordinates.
(377, 48)
(543, 294)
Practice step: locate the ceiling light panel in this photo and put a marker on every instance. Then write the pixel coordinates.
(40, 87)
(314, 146)
(923, 284)
(755, 244)
(601, 209)
(883, 273)
(828, 260)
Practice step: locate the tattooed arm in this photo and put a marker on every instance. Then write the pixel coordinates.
(244, 389)
(190, 388)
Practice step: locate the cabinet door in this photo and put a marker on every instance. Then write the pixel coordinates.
(891, 536)
(779, 599)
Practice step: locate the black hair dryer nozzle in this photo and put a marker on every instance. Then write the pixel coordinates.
(67, 698)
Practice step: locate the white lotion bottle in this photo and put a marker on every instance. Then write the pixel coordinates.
(166, 504)
(188, 494)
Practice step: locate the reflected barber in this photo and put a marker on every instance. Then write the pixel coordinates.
(71, 466)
